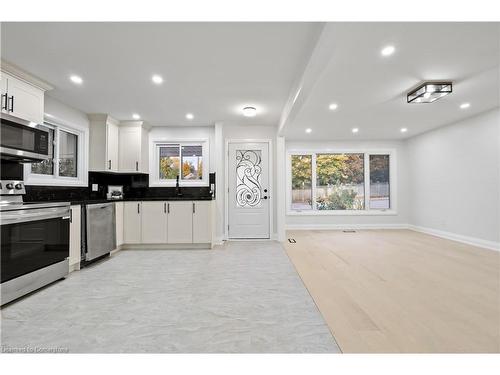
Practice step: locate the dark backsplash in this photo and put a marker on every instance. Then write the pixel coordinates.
(135, 185)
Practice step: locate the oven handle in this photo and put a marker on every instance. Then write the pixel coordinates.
(22, 216)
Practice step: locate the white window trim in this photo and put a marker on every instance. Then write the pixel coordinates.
(367, 211)
(55, 179)
(154, 175)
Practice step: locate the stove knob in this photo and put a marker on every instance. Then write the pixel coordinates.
(19, 186)
(10, 186)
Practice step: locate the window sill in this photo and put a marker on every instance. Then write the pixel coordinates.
(56, 183)
(342, 213)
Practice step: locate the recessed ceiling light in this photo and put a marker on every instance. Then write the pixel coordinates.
(135, 116)
(76, 79)
(464, 105)
(404, 130)
(355, 130)
(249, 112)
(157, 79)
(309, 130)
(333, 106)
(387, 50)
(189, 116)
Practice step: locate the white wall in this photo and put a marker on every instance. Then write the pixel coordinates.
(455, 182)
(400, 218)
(60, 113)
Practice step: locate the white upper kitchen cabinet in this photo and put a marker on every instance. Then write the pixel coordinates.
(22, 94)
(133, 149)
(202, 222)
(180, 222)
(132, 222)
(103, 143)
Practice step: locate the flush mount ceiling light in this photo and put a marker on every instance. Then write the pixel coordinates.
(404, 130)
(308, 130)
(157, 79)
(249, 112)
(464, 105)
(135, 116)
(355, 130)
(387, 50)
(76, 79)
(189, 116)
(429, 92)
(333, 106)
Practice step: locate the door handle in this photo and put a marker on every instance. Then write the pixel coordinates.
(265, 196)
(5, 107)
(11, 109)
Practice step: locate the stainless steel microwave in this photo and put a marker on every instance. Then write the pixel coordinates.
(23, 141)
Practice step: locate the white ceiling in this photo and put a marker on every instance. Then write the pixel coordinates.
(209, 69)
(371, 90)
(214, 69)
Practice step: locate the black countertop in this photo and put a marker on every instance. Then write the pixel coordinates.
(183, 198)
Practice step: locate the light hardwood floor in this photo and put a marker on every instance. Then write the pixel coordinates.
(401, 291)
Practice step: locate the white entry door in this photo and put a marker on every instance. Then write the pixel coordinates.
(249, 200)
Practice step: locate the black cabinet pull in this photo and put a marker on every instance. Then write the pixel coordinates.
(138, 210)
(194, 209)
(109, 164)
(11, 109)
(5, 106)
(168, 207)
(70, 215)
(164, 208)
(136, 165)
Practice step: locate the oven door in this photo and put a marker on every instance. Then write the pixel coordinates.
(33, 239)
(23, 141)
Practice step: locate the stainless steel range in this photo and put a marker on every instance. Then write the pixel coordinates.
(34, 242)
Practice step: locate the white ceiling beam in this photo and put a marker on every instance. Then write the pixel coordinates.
(319, 58)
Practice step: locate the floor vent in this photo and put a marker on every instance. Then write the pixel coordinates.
(292, 240)
(349, 231)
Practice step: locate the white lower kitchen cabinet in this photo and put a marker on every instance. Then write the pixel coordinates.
(202, 222)
(180, 222)
(154, 222)
(75, 237)
(132, 222)
(119, 223)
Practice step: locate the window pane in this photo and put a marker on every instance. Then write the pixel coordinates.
(46, 167)
(248, 178)
(68, 144)
(169, 162)
(340, 182)
(192, 162)
(301, 182)
(379, 182)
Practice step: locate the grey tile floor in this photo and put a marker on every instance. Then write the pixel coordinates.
(243, 297)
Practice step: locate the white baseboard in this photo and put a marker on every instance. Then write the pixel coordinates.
(492, 245)
(344, 226)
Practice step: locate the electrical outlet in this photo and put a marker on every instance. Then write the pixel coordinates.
(95, 187)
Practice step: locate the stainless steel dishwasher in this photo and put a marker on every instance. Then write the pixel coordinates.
(100, 230)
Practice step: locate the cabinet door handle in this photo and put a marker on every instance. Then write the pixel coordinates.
(168, 208)
(137, 166)
(11, 109)
(138, 209)
(4, 106)
(194, 209)
(109, 164)
(164, 208)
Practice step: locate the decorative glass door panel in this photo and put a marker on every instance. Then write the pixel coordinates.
(248, 178)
